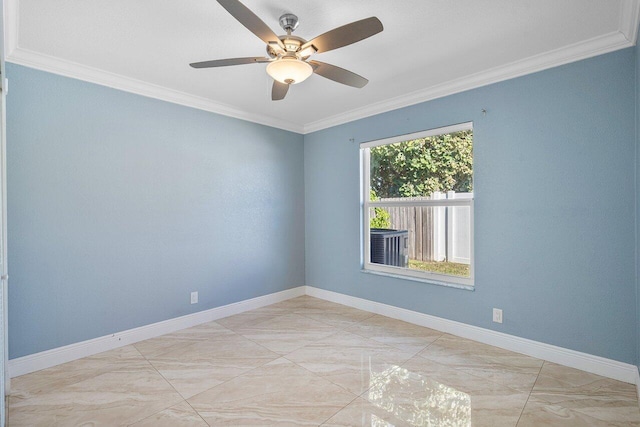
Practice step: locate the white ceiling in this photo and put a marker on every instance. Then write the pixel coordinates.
(429, 48)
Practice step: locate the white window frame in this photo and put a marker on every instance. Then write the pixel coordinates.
(366, 204)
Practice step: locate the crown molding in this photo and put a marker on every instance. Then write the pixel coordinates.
(11, 14)
(629, 19)
(586, 49)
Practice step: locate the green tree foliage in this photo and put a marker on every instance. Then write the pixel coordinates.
(422, 166)
(381, 218)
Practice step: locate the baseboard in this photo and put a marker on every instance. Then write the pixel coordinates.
(68, 353)
(638, 385)
(586, 362)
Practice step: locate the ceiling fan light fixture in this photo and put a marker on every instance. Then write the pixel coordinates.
(289, 70)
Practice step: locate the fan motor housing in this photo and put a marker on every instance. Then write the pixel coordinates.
(291, 44)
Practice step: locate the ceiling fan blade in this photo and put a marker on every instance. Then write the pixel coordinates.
(345, 35)
(250, 20)
(227, 62)
(279, 90)
(338, 74)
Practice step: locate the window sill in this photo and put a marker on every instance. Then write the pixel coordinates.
(420, 279)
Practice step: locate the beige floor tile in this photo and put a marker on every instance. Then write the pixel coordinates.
(424, 393)
(341, 367)
(180, 415)
(303, 303)
(349, 360)
(419, 400)
(538, 413)
(279, 393)
(556, 381)
(587, 394)
(211, 331)
(340, 319)
(284, 334)
(119, 397)
(362, 413)
(328, 312)
(487, 403)
(76, 371)
(200, 365)
(395, 333)
(338, 315)
(505, 367)
(239, 321)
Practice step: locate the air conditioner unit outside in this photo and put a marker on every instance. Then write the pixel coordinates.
(389, 247)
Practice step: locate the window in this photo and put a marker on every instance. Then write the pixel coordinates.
(417, 205)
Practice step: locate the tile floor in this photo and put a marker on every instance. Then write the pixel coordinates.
(311, 362)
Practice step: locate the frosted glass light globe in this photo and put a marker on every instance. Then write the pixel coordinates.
(289, 70)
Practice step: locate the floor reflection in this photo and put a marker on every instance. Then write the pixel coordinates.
(418, 400)
(379, 422)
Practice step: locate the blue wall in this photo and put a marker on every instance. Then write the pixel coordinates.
(119, 206)
(554, 183)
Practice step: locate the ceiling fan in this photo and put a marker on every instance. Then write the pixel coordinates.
(289, 55)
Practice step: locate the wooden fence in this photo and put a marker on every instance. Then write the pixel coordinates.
(435, 232)
(419, 221)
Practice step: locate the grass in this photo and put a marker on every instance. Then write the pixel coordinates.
(452, 268)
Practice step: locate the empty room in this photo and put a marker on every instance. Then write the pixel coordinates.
(341, 213)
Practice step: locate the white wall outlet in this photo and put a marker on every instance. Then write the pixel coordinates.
(194, 297)
(497, 315)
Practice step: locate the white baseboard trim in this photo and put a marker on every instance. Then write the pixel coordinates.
(638, 385)
(586, 362)
(46, 359)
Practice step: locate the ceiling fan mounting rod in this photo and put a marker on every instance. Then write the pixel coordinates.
(289, 22)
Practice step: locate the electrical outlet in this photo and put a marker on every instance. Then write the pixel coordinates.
(497, 315)
(194, 297)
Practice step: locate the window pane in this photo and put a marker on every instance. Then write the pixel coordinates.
(436, 239)
(421, 167)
